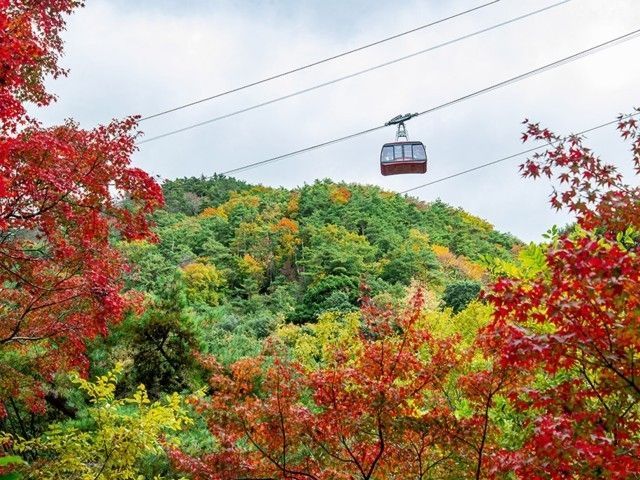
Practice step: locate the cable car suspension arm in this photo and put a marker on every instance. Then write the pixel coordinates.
(402, 129)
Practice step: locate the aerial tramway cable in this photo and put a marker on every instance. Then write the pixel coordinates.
(495, 86)
(321, 61)
(515, 155)
(352, 75)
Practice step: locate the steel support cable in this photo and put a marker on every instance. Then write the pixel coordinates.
(510, 81)
(352, 75)
(515, 155)
(319, 62)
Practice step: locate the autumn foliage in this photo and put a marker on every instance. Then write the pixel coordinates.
(536, 379)
(578, 323)
(30, 47)
(372, 407)
(66, 193)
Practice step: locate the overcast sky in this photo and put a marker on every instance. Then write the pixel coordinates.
(139, 57)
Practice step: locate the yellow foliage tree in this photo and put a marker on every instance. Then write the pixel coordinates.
(339, 194)
(238, 199)
(122, 433)
(450, 261)
(312, 344)
(293, 206)
(214, 212)
(204, 283)
(252, 271)
(465, 324)
(286, 232)
(474, 221)
(417, 240)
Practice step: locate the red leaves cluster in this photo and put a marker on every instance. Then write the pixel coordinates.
(592, 189)
(384, 409)
(363, 415)
(29, 49)
(64, 192)
(30, 46)
(578, 323)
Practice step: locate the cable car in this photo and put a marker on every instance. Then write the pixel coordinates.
(401, 157)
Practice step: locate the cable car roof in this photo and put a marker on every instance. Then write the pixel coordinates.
(403, 142)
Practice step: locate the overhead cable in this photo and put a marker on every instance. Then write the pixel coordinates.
(515, 155)
(352, 75)
(490, 88)
(319, 62)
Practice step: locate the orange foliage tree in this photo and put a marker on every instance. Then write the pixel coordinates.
(372, 410)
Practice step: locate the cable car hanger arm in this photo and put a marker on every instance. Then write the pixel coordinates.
(398, 119)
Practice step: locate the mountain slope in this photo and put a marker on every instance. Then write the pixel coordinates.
(311, 247)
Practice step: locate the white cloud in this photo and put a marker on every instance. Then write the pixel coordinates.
(142, 59)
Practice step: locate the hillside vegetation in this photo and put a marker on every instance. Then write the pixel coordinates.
(233, 262)
(316, 244)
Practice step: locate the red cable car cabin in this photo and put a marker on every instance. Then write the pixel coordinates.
(403, 157)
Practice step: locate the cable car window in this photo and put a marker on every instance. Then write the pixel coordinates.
(407, 151)
(419, 153)
(397, 150)
(387, 154)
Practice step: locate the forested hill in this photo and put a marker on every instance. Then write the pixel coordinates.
(235, 262)
(297, 253)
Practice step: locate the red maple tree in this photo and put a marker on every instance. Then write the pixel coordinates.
(362, 415)
(64, 193)
(577, 322)
(30, 46)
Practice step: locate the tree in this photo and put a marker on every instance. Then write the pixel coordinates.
(412, 258)
(333, 261)
(576, 322)
(369, 410)
(204, 283)
(116, 436)
(149, 270)
(30, 46)
(459, 294)
(192, 195)
(61, 277)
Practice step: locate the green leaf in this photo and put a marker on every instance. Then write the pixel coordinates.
(10, 460)
(10, 476)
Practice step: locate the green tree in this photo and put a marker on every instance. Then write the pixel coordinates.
(460, 294)
(191, 195)
(334, 262)
(412, 258)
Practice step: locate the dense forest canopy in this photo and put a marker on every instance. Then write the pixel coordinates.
(318, 243)
(234, 262)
